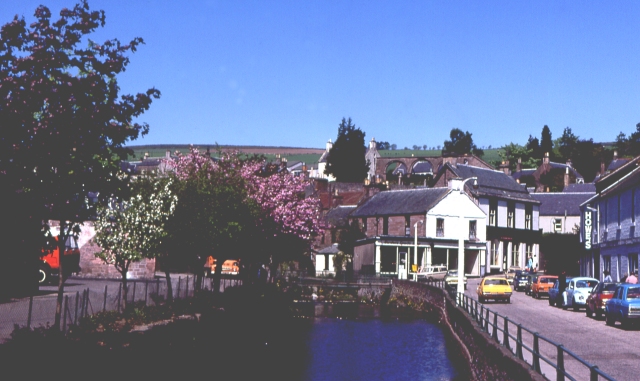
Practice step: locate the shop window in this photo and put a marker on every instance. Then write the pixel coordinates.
(494, 254)
(633, 262)
(516, 253)
(606, 263)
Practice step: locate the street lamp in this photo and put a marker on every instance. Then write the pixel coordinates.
(461, 237)
(415, 251)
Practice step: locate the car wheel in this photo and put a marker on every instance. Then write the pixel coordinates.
(44, 274)
(588, 311)
(551, 302)
(598, 314)
(609, 320)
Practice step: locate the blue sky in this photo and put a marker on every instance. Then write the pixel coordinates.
(284, 73)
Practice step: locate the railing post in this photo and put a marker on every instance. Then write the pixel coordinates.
(536, 353)
(104, 304)
(486, 321)
(560, 365)
(494, 334)
(506, 334)
(519, 343)
(594, 373)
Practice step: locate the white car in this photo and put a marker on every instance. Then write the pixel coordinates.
(432, 273)
(577, 292)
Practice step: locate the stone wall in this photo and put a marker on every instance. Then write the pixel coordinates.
(486, 360)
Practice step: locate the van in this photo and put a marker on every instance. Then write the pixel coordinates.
(50, 261)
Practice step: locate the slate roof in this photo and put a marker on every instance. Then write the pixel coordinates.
(401, 202)
(523, 172)
(584, 187)
(556, 203)
(422, 167)
(491, 183)
(338, 216)
(617, 163)
(563, 166)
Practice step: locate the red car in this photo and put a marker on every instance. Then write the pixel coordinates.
(599, 297)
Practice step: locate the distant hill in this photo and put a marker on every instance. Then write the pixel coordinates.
(293, 154)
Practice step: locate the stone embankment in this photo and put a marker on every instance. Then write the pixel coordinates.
(485, 359)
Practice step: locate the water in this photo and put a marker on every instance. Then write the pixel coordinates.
(377, 350)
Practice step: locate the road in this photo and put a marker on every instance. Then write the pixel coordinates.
(614, 350)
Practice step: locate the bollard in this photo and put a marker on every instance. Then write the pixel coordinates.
(560, 366)
(536, 353)
(495, 328)
(506, 334)
(519, 343)
(594, 373)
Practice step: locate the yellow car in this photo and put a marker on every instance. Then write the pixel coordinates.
(494, 287)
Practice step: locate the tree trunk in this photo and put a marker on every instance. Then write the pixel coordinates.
(167, 276)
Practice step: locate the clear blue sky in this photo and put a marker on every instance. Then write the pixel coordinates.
(285, 73)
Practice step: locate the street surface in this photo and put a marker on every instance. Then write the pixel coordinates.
(614, 350)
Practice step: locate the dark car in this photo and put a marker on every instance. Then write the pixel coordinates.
(531, 279)
(520, 280)
(600, 295)
(555, 296)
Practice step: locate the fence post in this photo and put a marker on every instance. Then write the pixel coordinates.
(536, 353)
(104, 304)
(560, 365)
(133, 295)
(486, 321)
(594, 373)
(506, 334)
(146, 288)
(495, 328)
(66, 309)
(519, 343)
(30, 310)
(178, 293)
(119, 295)
(75, 315)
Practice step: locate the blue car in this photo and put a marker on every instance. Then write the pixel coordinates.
(555, 297)
(624, 306)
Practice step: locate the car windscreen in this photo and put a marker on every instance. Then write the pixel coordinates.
(586, 283)
(489, 282)
(547, 280)
(609, 287)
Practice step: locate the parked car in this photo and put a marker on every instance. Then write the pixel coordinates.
(599, 297)
(495, 288)
(520, 279)
(431, 273)
(530, 280)
(578, 291)
(555, 297)
(511, 273)
(542, 284)
(624, 306)
(451, 280)
(229, 266)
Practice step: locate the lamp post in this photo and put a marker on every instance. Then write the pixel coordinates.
(415, 251)
(461, 237)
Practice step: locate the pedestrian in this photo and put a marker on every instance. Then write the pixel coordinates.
(562, 285)
(633, 277)
(624, 278)
(530, 264)
(607, 276)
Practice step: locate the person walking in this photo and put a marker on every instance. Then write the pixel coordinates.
(607, 276)
(633, 277)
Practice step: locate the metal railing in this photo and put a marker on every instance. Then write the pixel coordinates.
(530, 346)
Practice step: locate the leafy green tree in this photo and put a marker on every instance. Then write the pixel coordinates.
(461, 143)
(64, 123)
(629, 146)
(533, 144)
(130, 230)
(512, 152)
(568, 144)
(546, 143)
(346, 161)
(380, 146)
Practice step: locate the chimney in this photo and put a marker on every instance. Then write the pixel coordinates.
(566, 175)
(329, 145)
(602, 167)
(146, 155)
(545, 159)
(372, 143)
(615, 155)
(519, 165)
(504, 166)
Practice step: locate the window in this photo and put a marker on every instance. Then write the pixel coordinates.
(606, 263)
(511, 213)
(385, 225)
(472, 229)
(528, 217)
(407, 226)
(494, 254)
(516, 253)
(529, 248)
(440, 227)
(364, 225)
(493, 213)
(633, 262)
(557, 225)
